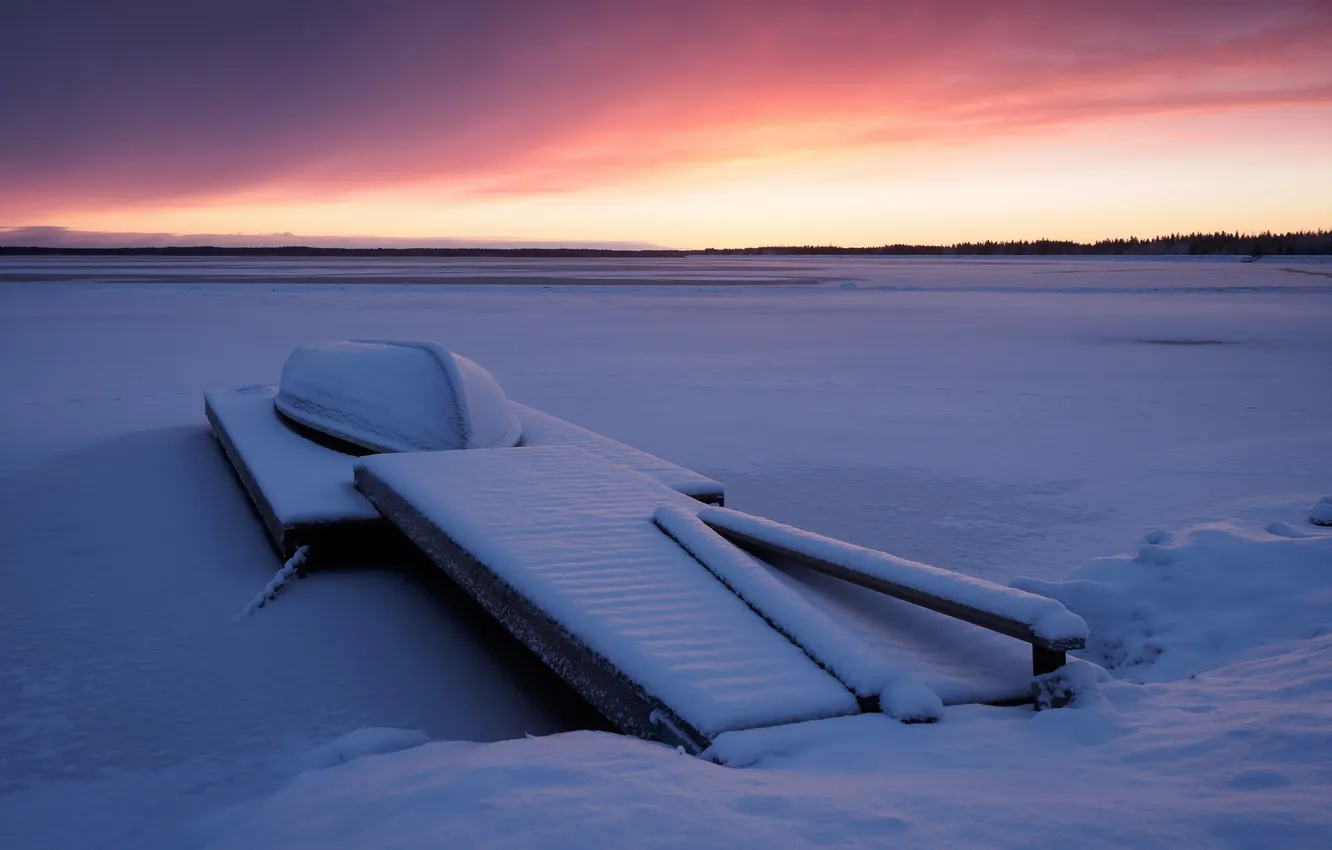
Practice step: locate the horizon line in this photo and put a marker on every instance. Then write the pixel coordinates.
(1304, 242)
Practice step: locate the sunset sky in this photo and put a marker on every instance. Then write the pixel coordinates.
(684, 124)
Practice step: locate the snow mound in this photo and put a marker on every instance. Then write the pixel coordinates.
(1241, 760)
(1076, 685)
(395, 396)
(1321, 513)
(370, 741)
(1212, 594)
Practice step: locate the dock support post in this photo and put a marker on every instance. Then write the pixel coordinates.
(1046, 660)
(1049, 688)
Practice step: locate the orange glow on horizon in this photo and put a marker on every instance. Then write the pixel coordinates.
(1139, 177)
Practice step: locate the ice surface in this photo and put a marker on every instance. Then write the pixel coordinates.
(396, 396)
(129, 695)
(573, 534)
(835, 649)
(1004, 417)
(1047, 618)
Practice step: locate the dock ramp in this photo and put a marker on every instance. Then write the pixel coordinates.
(560, 546)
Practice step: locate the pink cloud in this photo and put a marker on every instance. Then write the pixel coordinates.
(157, 102)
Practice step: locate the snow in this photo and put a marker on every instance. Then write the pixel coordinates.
(308, 483)
(275, 584)
(1201, 598)
(542, 429)
(1003, 417)
(487, 412)
(573, 534)
(1321, 513)
(303, 481)
(1237, 752)
(1046, 618)
(832, 647)
(361, 743)
(396, 396)
(1211, 762)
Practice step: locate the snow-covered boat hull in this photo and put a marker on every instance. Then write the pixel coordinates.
(396, 396)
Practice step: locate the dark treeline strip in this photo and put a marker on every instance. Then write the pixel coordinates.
(1253, 245)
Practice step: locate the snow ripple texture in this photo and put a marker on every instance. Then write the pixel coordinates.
(574, 534)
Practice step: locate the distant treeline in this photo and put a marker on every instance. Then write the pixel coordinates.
(1178, 244)
(1245, 244)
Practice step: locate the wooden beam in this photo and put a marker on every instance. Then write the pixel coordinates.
(332, 544)
(985, 619)
(1046, 661)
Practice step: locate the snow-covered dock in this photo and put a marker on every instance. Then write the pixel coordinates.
(676, 618)
(1021, 421)
(560, 546)
(1046, 624)
(301, 482)
(302, 489)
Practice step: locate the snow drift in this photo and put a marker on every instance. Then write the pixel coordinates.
(1184, 602)
(1239, 755)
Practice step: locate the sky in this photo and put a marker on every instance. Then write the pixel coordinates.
(681, 124)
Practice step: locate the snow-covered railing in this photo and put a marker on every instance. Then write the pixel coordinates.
(874, 682)
(1045, 623)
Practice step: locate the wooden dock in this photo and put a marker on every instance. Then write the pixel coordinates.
(560, 547)
(300, 482)
(623, 574)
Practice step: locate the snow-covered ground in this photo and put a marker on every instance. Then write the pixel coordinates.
(1142, 439)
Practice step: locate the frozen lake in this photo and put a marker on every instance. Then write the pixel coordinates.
(1002, 417)
(983, 414)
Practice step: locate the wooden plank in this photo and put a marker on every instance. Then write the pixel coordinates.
(277, 533)
(985, 619)
(337, 543)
